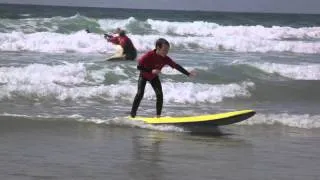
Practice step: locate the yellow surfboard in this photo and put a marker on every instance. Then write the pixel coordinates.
(219, 119)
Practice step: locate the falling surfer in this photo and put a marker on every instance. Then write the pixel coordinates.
(125, 49)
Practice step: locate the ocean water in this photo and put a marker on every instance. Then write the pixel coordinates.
(63, 108)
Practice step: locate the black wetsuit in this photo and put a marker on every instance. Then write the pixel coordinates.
(147, 63)
(156, 85)
(129, 50)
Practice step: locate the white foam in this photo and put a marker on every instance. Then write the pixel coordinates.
(197, 28)
(200, 93)
(110, 24)
(292, 120)
(24, 15)
(70, 81)
(40, 80)
(54, 42)
(185, 35)
(118, 121)
(123, 121)
(202, 28)
(44, 116)
(304, 121)
(43, 74)
(301, 72)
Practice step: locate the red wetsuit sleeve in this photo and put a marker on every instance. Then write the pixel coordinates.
(114, 40)
(176, 66)
(171, 63)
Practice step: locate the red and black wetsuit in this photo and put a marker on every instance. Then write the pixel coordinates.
(147, 63)
(129, 50)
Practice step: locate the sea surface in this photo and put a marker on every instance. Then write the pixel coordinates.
(63, 107)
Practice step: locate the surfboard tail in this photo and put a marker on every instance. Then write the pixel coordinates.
(220, 122)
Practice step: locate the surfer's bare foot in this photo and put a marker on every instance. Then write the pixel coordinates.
(158, 116)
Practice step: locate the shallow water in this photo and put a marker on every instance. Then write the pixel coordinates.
(36, 149)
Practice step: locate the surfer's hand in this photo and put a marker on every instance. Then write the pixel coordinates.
(156, 71)
(193, 73)
(107, 36)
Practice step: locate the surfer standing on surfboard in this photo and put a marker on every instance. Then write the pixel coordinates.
(150, 65)
(129, 51)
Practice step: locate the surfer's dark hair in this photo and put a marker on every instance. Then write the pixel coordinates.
(122, 33)
(162, 41)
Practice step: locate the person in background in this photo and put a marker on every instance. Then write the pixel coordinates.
(129, 51)
(150, 65)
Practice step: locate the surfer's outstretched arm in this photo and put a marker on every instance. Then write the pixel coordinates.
(182, 70)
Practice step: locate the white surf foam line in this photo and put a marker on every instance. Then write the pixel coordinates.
(292, 120)
(118, 121)
(199, 93)
(64, 82)
(44, 116)
(43, 74)
(199, 28)
(110, 24)
(192, 28)
(55, 42)
(93, 43)
(69, 81)
(123, 121)
(299, 72)
(25, 15)
(203, 28)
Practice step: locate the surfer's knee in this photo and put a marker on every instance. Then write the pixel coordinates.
(159, 97)
(140, 92)
(159, 93)
(139, 95)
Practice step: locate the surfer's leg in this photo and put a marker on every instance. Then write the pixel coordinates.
(156, 85)
(136, 102)
(131, 55)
